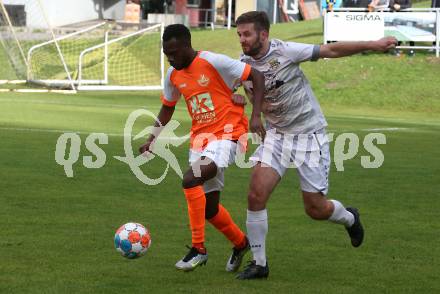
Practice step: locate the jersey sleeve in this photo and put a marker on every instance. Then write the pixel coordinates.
(231, 70)
(170, 94)
(299, 52)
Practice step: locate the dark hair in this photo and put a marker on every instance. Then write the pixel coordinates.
(258, 18)
(178, 32)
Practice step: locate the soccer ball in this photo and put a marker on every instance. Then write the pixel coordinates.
(132, 240)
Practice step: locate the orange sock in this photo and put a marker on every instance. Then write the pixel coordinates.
(196, 201)
(223, 222)
(200, 247)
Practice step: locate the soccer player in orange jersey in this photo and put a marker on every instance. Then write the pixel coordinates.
(206, 80)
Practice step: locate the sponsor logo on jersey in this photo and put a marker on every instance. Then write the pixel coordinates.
(274, 64)
(202, 108)
(203, 81)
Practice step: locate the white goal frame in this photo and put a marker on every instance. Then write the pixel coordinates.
(57, 83)
(102, 85)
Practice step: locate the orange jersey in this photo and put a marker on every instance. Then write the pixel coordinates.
(207, 85)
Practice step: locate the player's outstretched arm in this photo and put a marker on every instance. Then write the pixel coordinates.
(341, 49)
(256, 124)
(165, 114)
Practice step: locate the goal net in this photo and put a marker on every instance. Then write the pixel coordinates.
(102, 56)
(24, 24)
(125, 61)
(43, 66)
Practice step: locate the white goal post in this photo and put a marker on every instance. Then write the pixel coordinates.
(102, 56)
(24, 23)
(130, 62)
(38, 57)
(18, 60)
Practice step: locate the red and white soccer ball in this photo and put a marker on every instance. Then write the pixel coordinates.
(132, 240)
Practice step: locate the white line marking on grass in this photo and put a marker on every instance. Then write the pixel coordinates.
(121, 135)
(74, 104)
(385, 129)
(371, 130)
(30, 90)
(77, 132)
(169, 138)
(55, 131)
(2, 82)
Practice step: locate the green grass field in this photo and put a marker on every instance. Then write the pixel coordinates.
(57, 232)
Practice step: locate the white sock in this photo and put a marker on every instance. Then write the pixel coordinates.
(256, 225)
(340, 215)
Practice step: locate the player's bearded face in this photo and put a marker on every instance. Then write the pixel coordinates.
(253, 48)
(250, 39)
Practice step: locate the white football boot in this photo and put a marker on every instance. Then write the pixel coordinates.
(236, 258)
(192, 260)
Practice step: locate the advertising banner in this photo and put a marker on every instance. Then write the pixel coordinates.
(414, 26)
(365, 26)
(354, 26)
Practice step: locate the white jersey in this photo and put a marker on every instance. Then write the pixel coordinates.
(289, 103)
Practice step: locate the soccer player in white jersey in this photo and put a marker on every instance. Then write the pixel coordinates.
(295, 131)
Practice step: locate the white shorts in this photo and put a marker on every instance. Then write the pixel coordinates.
(222, 152)
(308, 153)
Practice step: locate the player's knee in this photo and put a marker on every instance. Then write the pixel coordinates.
(211, 210)
(256, 200)
(189, 180)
